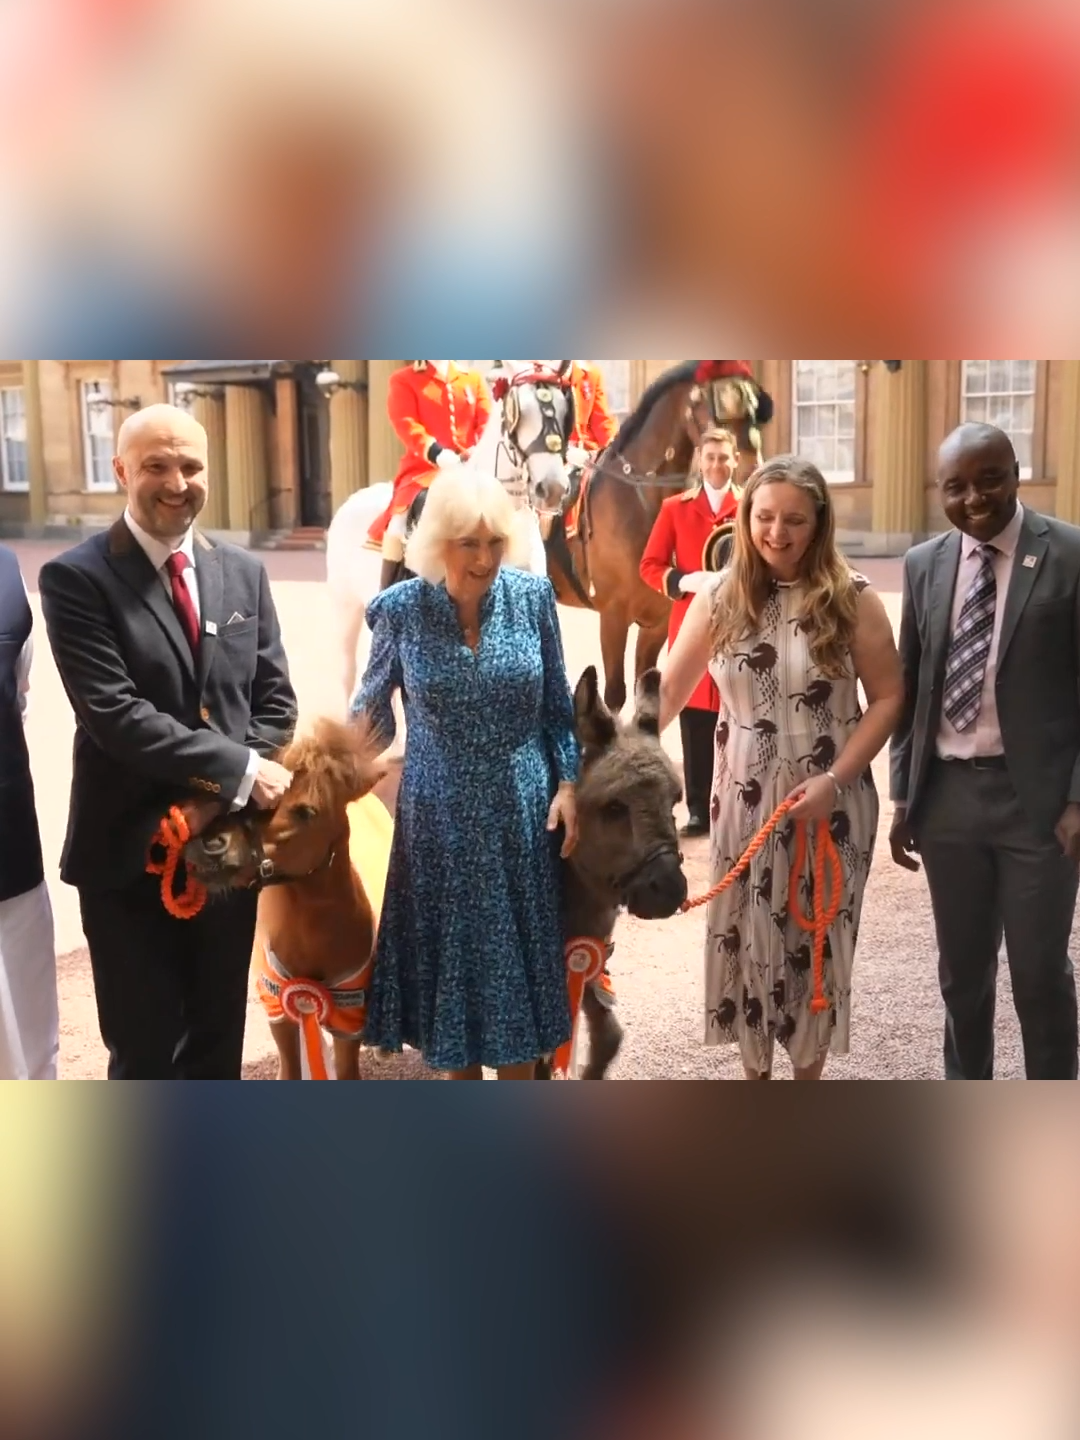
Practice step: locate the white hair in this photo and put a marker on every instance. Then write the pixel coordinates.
(457, 503)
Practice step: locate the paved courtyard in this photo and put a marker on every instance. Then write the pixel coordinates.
(897, 1013)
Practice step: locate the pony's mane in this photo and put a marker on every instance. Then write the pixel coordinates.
(682, 374)
(331, 756)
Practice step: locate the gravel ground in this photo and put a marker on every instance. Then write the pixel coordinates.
(657, 967)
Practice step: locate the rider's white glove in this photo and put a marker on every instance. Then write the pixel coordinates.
(577, 455)
(692, 583)
(447, 459)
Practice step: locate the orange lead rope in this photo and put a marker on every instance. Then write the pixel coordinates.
(172, 835)
(825, 853)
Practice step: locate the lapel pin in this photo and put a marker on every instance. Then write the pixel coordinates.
(211, 627)
(1030, 561)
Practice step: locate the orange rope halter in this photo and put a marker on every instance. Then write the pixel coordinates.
(825, 853)
(172, 835)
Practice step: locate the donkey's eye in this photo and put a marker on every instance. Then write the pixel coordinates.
(303, 812)
(614, 810)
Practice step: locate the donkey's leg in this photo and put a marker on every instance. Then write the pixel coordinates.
(347, 1059)
(647, 649)
(287, 1039)
(614, 627)
(605, 1035)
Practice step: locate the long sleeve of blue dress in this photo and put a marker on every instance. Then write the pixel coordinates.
(558, 704)
(383, 674)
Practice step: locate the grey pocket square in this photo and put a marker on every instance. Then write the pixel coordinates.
(236, 617)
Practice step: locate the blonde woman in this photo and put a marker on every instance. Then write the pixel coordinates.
(788, 631)
(469, 967)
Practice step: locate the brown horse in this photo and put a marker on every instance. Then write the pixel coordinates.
(315, 921)
(649, 459)
(627, 855)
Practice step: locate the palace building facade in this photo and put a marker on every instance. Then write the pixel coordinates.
(291, 439)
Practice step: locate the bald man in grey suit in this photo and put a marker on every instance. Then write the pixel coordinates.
(986, 759)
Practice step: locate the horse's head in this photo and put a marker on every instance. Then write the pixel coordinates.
(725, 393)
(626, 798)
(331, 767)
(538, 420)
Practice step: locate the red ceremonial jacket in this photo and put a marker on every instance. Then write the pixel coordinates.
(674, 549)
(430, 414)
(594, 425)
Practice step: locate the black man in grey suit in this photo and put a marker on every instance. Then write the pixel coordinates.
(986, 759)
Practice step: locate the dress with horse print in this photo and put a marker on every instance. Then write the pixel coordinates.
(469, 964)
(780, 722)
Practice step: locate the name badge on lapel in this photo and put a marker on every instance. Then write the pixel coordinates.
(211, 627)
(1030, 561)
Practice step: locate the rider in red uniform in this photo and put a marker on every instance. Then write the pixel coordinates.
(439, 409)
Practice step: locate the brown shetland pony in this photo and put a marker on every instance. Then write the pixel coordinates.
(314, 914)
(650, 458)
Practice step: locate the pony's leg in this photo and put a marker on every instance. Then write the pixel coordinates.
(347, 1059)
(647, 649)
(614, 627)
(287, 1039)
(605, 1035)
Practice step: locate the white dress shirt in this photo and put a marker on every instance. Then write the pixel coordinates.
(984, 737)
(158, 552)
(715, 497)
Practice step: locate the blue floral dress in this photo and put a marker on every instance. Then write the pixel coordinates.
(469, 962)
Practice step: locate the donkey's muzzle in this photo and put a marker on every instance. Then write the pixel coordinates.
(658, 889)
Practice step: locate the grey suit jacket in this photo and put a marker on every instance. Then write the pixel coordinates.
(1038, 667)
(151, 724)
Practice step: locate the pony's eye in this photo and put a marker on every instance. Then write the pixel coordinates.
(614, 810)
(303, 812)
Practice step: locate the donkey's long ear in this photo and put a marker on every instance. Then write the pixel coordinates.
(595, 725)
(647, 703)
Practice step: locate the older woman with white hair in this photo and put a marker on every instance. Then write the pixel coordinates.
(469, 966)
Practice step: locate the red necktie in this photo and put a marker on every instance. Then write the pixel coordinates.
(176, 564)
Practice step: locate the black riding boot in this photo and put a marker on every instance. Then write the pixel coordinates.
(391, 573)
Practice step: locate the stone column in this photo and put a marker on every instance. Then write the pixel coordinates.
(35, 443)
(349, 433)
(898, 402)
(286, 504)
(384, 447)
(1067, 505)
(210, 413)
(246, 458)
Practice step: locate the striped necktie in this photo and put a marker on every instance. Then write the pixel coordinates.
(969, 649)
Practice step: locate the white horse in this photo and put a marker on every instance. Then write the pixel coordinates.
(524, 445)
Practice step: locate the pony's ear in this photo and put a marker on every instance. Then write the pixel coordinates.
(647, 703)
(595, 724)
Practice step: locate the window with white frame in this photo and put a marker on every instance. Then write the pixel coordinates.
(823, 423)
(97, 435)
(1002, 393)
(14, 473)
(616, 375)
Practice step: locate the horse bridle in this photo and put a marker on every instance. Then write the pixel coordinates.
(553, 439)
(266, 871)
(621, 885)
(622, 470)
